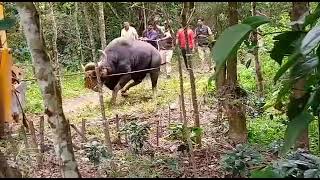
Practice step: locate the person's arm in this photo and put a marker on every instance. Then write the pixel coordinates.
(191, 38)
(122, 34)
(153, 36)
(166, 36)
(177, 38)
(209, 31)
(135, 33)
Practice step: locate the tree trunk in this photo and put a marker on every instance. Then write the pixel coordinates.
(102, 27)
(54, 44)
(186, 133)
(259, 76)
(234, 107)
(49, 88)
(298, 9)
(192, 79)
(144, 16)
(89, 26)
(78, 31)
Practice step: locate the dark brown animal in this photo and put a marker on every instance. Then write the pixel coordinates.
(125, 56)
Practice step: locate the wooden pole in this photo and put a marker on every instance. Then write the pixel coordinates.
(118, 129)
(41, 134)
(83, 129)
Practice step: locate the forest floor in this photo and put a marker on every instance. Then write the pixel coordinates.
(167, 161)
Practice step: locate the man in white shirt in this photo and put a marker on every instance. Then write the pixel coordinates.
(129, 31)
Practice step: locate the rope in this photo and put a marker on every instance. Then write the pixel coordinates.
(24, 118)
(73, 74)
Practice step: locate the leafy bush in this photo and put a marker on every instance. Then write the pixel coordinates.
(137, 133)
(240, 160)
(264, 131)
(297, 165)
(96, 152)
(176, 132)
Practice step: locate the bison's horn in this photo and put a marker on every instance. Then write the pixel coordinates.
(104, 54)
(82, 67)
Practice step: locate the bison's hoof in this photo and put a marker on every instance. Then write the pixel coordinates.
(124, 94)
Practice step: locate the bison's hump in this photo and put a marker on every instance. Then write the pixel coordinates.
(120, 41)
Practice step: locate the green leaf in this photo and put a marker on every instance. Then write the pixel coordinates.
(295, 127)
(296, 106)
(228, 43)
(291, 61)
(284, 44)
(265, 173)
(255, 21)
(7, 23)
(310, 41)
(310, 173)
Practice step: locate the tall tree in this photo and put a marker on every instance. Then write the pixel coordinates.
(102, 26)
(234, 107)
(259, 76)
(48, 84)
(76, 11)
(89, 28)
(298, 9)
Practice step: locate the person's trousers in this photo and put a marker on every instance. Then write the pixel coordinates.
(184, 55)
(204, 54)
(166, 56)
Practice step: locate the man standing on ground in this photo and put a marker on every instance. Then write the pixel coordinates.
(202, 33)
(166, 49)
(129, 31)
(151, 35)
(181, 40)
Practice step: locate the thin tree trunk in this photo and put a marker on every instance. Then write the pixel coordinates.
(89, 28)
(144, 17)
(49, 88)
(102, 27)
(193, 85)
(185, 9)
(298, 9)
(259, 76)
(235, 111)
(78, 31)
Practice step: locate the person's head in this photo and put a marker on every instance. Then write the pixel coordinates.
(150, 26)
(200, 21)
(126, 25)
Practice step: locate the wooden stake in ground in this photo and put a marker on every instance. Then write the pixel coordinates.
(34, 143)
(24, 136)
(83, 129)
(118, 130)
(107, 139)
(79, 132)
(41, 132)
(157, 135)
(124, 123)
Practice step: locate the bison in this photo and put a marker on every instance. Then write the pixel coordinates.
(125, 56)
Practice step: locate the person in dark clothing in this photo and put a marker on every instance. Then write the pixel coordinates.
(151, 35)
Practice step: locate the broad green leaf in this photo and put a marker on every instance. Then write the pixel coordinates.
(255, 21)
(313, 17)
(265, 173)
(7, 23)
(284, 44)
(228, 43)
(291, 61)
(310, 173)
(311, 40)
(286, 87)
(295, 127)
(318, 52)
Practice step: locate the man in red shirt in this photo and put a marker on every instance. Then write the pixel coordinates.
(181, 40)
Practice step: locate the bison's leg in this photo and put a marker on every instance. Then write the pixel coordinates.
(122, 82)
(134, 83)
(154, 80)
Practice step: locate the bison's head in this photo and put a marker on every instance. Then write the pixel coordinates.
(90, 72)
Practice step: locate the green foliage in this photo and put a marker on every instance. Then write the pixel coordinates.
(137, 133)
(240, 160)
(266, 172)
(176, 132)
(231, 39)
(298, 165)
(96, 152)
(263, 130)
